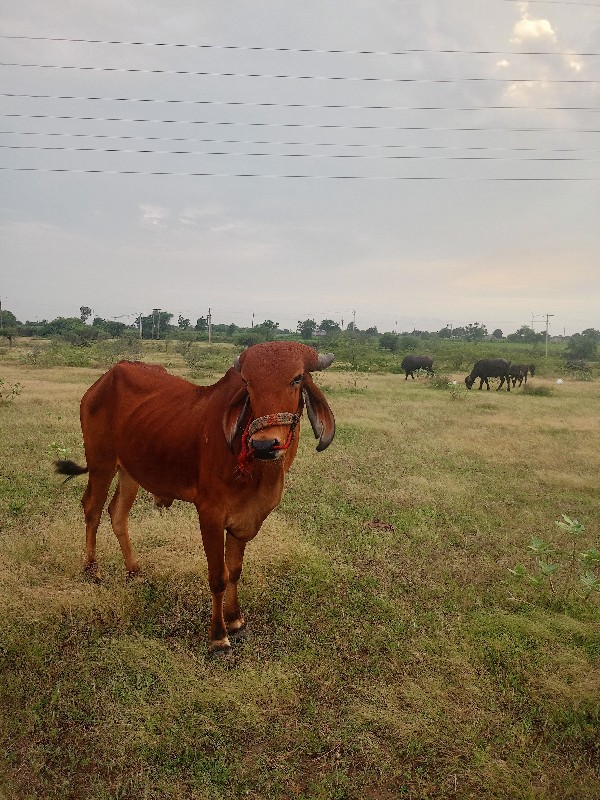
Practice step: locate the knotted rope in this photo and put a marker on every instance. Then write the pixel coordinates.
(246, 456)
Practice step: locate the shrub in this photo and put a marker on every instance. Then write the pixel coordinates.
(539, 391)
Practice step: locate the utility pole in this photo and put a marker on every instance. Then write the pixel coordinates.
(547, 326)
(140, 323)
(209, 320)
(156, 322)
(1, 325)
(354, 321)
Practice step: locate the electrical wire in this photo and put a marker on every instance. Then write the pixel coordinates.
(337, 51)
(337, 78)
(336, 106)
(315, 126)
(418, 178)
(395, 157)
(209, 140)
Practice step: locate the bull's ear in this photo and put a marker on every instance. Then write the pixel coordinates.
(236, 417)
(320, 415)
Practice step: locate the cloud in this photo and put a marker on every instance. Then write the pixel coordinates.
(153, 216)
(527, 30)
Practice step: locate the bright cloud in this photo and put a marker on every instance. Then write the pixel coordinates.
(527, 30)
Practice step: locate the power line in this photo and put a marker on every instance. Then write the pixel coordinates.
(418, 178)
(336, 106)
(402, 156)
(209, 140)
(315, 126)
(254, 48)
(337, 78)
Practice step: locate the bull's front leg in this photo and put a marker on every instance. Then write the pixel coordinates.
(212, 538)
(234, 559)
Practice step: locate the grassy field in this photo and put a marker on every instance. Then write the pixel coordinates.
(392, 654)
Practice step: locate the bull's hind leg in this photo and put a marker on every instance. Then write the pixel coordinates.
(119, 508)
(93, 501)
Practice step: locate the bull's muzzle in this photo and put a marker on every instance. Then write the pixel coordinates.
(266, 449)
(272, 448)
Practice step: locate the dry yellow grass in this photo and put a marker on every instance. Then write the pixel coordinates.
(391, 653)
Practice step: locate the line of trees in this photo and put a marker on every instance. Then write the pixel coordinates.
(159, 325)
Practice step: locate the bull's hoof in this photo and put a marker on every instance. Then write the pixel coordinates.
(91, 572)
(131, 575)
(240, 634)
(219, 649)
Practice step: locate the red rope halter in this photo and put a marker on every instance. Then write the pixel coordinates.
(246, 456)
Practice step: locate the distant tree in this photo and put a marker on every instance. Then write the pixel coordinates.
(155, 326)
(85, 313)
(389, 341)
(113, 328)
(266, 331)
(201, 324)
(183, 324)
(459, 333)
(445, 333)
(307, 328)
(270, 325)
(525, 334)
(407, 342)
(62, 325)
(497, 334)
(372, 331)
(8, 325)
(250, 336)
(329, 326)
(475, 332)
(583, 345)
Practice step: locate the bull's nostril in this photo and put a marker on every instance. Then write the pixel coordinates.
(264, 445)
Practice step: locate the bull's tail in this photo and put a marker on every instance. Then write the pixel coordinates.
(69, 468)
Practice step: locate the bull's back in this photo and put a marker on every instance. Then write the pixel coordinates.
(149, 422)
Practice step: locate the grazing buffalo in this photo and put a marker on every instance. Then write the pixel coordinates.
(489, 368)
(225, 448)
(518, 372)
(411, 363)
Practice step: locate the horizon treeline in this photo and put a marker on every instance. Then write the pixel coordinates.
(86, 328)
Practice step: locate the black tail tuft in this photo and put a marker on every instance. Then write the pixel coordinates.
(69, 468)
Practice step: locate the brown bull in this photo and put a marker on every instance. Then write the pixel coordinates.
(225, 448)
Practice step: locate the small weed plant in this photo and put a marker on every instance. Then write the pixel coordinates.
(561, 570)
(8, 392)
(445, 382)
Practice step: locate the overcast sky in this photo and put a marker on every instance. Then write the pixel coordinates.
(403, 213)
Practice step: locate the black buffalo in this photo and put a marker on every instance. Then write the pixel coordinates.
(411, 363)
(490, 368)
(518, 372)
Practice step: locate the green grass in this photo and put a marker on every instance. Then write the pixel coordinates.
(391, 653)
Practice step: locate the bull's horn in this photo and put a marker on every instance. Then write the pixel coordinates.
(236, 364)
(325, 360)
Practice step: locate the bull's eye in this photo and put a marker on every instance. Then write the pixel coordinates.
(297, 380)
